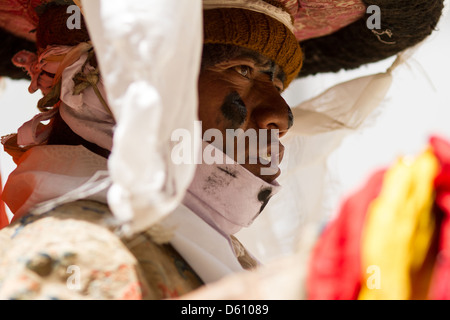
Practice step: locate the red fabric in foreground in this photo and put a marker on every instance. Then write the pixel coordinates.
(440, 282)
(335, 269)
(3, 217)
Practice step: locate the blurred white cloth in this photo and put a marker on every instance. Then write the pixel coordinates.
(149, 55)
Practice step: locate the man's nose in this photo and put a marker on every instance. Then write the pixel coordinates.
(273, 112)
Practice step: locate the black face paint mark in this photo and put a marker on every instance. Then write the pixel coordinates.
(234, 110)
(264, 196)
(217, 180)
(214, 183)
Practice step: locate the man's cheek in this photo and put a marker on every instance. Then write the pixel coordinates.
(234, 110)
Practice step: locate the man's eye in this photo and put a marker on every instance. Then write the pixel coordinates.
(243, 70)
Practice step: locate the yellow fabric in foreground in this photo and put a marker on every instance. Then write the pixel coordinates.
(399, 230)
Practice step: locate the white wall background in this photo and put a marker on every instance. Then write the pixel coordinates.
(417, 106)
(17, 105)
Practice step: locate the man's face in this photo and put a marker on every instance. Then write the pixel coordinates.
(244, 93)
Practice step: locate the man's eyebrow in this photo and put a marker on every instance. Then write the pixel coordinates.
(274, 72)
(269, 70)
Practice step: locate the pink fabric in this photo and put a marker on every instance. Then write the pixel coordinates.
(440, 282)
(33, 132)
(84, 113)
(316, 18)
(39, 68)
(226, 196)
